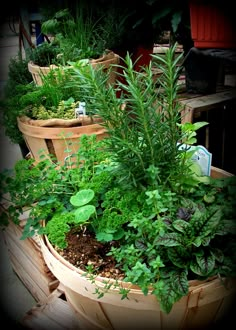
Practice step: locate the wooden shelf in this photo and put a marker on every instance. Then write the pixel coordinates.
(28, 263)
(195, 104)
(218, 110)
(54, 313)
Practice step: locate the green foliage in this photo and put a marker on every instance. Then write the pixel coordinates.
(146, 21)
(52, 99)
(75, 34)
(137, 186)
(48, 186)
(183, 240)
(61, 223)
(16, 85)
(144, 141)
(44, 54)
(57, 97)
(22, 97)
(113, 25)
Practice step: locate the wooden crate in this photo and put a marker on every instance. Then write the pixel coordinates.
(218, 110)
(55, 313)
(28, 263)
(196, 104)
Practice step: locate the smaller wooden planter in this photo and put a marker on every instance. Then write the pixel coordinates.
(106, 61)
(58, 142)
(38, 72)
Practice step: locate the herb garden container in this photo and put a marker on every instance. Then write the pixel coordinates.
(59, 142)
(206, 302)
(106, 61)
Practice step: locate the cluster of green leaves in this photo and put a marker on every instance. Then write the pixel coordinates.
(146, 21)
(53, 99)
(17, 85)
(165, 239)
(177, 230)
(44, 54)
(47, 186)
(57, 97)
(178, 238)
(75, 34)
(144, 123)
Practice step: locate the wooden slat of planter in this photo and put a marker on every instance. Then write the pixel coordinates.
(83, 306)
(28, 263)
(39, 283)
(31, 266)
(38, 289)
(55, 313)
(28, 247)
(54, 140)
(34, 145)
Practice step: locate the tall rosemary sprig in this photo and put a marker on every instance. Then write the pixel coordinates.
(143, 122)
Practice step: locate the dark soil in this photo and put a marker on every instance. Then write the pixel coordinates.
(84, 250)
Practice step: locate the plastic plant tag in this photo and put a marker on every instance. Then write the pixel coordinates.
(203, 157)
(80, 110)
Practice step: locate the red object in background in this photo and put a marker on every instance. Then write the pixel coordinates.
(212, 25)
(141, 57)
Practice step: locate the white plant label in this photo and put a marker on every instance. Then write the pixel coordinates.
(80, 110)
(202, 157)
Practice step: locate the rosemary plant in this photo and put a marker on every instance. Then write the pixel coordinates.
(145, 134)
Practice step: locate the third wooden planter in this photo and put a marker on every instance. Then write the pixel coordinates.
(107, 61)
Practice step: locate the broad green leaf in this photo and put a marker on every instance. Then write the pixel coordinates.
(203, 265)
(212, 223)
(179, 256)
(171, 239)
(203, 179)
(119, 233)
(84, 213)
(180, 282)
(218, 254)
(205, 241)
(197, 241)
(199, 124)
(166, 295)
(104, 237)
(82, 197)
(196, 168)
(180, 225)
(209, 198)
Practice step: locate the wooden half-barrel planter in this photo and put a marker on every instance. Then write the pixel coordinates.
(108, 61)
(206, 302)
(58, 143)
